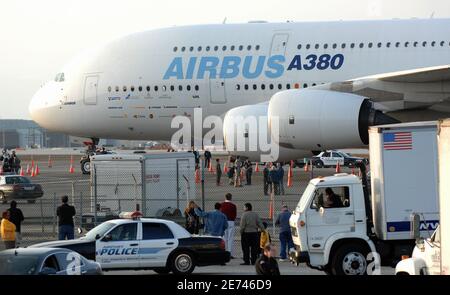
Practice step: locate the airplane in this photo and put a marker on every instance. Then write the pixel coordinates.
(325, 82)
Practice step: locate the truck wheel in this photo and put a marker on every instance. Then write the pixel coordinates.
(182, 263)
(86, 166)
(162, 270)
(350, 260)
(2, 198)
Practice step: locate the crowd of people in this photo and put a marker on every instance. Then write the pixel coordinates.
(9, 162)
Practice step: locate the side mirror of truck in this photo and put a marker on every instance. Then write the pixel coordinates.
(415, 226)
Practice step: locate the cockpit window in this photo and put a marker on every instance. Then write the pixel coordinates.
(59, 77)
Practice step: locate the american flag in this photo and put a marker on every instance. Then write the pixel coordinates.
(397, 141)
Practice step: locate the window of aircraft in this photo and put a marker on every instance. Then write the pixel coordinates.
(433, 43)
(343, 45)
(246, 86)
(164, 88)
(224, 48)
(415, 44)
(370, 45)
(352, 45)
(216, 48)
(314, 84)
(249, 47)
(263, 86)
(175, 49)
(183, 49)
(308, 46)
(288, 86)
(361, 45)
(156, 88)
(207, 48)
(280, 86)
(397, 44)
(188, 88)
(271, 86)
(406, 44)
(334, 45)
(148, 88)
(196, 88)
(117, 88)
(241, 47)
(305, 85)
(172, 88)
(140, 88)
(109, 88)
(388, 44)
(325, 46)
(238, 87)
(442, 43)
(191, 48)
(316, 46)
(124, 88)
(257, 47)
(255, 87)
(424, 43)
(232, 47)
(379, 44)
(180, 87)
(132, 88)
(199, 48)
(296, 86)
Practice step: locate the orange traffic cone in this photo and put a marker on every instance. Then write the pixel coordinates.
(32, 173)
(50, 164)
(225, 168)
(271, 210)
(291, 170)
(22, 173)
(71, 169)
(338, 168)
(37, 171)
(257, 167)
(290, 175)
(197, 175)
(28, 169)
(210, 167)
(32, 164)
(306, 167)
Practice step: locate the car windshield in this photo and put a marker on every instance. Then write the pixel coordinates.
(16, 180)
(18, 265)
(99, 230)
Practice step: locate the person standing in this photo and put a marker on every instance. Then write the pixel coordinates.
(237, 172)
(216, 222)
(285, 232)
(65, 214)
(230, 211)
(218, 172)
(8, 231)
(14, 162)
(231, 172)
(16, 217)
(249, 226)
(208, 156)
(192, 220)
(248, 172)
(264, 238)
(280, 175)
(196, 158)
(267, 185)
(273, 176)
(267, 264)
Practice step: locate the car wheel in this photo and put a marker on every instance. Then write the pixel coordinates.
(319, 164)
(182, 263)
(2, 198)
(31, 201)
(162, 270)
(86, 166)
(350, 260)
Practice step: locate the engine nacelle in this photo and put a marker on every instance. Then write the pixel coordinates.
(320, 119)
(246, 134)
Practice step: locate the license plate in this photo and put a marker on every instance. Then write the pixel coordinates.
(29, 188)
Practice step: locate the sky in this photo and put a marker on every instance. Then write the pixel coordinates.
(37, 37)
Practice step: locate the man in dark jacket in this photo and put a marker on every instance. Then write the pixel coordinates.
(207, 158)
(65, 214)
(248, 172)
(16, 217)
(266, 180)
(267, 264)
(273, 176)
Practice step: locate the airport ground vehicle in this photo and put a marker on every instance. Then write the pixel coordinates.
(347, 238)
(85, 161)
(331, 158)
(146, 243)
(16, 187)
(431, 255)
(159, 183)
(46, 261)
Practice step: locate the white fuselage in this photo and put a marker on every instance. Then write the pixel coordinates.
(132, 87)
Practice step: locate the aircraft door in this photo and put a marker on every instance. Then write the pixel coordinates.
(90, 89)
(279, 44)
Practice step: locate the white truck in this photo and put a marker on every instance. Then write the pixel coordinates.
(431, 256)
(159, 183)
(340, 228)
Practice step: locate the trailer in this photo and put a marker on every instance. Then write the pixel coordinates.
(157, 184)
(340, 228)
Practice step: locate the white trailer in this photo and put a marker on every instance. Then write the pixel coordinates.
(355, 231)
(153, 181)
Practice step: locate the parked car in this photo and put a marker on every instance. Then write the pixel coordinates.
(16, 187)
(46, 261)
(331, 158)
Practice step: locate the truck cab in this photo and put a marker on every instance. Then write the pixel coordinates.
(329, 226)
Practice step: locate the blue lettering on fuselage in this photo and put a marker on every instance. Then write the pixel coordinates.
(250, 67)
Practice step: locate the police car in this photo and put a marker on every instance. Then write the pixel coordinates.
(135, 243)
(332, 158)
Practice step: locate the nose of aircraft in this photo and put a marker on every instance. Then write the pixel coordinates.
(41, 107)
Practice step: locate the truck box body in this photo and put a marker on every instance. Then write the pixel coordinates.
(404, 178)
(154, 181)
(444, 193)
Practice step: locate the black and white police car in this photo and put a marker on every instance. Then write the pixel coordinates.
(332, 158)
(132, 242)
